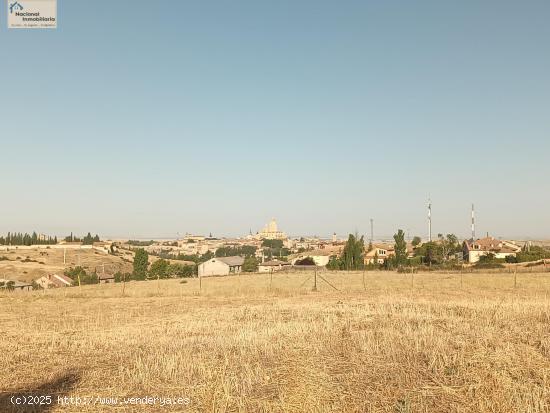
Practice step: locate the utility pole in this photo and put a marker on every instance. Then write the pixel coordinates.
(473, 224)
(429, 220)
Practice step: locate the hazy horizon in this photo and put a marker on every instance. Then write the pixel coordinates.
(145, 122)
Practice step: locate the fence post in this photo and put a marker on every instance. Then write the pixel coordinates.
(315, 280)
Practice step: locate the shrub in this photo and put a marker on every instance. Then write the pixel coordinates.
(305, 261)
(510, 259)
(250, 264)
(77, 273)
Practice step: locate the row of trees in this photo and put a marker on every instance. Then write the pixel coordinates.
(136, 243)
(80, 276)
(196, 258)
(445, 249)
(530, 253)
(18, 238)
(163, 268)
(243, 251)
(352, 257)
(274, 248)
(159, 269)
(25, 239)
(86, 240)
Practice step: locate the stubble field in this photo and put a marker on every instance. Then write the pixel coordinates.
(390, 343)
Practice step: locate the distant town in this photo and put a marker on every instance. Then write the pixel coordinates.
(266, 251)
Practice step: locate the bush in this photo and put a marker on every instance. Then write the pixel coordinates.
(334, 264)
(305, 261)
(159, 269)
(250, 264)
(36, 286)
(120, 277)
(182, 271)
(80, 273)
(510, 259)
(533, 253)
(489, 262)
(7, 285)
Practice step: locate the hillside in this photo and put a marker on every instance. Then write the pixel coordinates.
(28, 265)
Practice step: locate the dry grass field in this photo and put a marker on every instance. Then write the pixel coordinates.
(432, 343)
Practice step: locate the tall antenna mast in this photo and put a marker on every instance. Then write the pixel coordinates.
(371, 230)
(429, 220)
(473, 224)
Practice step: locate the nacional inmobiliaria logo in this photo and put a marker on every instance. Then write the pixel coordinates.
(15, 7)
(32, 14)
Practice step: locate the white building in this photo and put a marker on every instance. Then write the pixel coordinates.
(221, 266)
(320, 257)
(474, 250)
(54, 281)
(379, 254)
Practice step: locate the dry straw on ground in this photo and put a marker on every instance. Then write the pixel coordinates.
(241, 345)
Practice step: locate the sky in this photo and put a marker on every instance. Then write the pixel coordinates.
(147, 119)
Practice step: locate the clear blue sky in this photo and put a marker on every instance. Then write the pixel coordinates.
(144, 119)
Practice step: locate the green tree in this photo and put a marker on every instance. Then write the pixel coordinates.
(79, 275)
(532, 253)
(243, 251)
(159, 269)
(88, 240)
(416, 241)
(208, 255)
(272, 243)
(429, 252)
(250, 264)
(182, 271)
(353, 254)
(400, 248)
(141, 263)
(305, 261)
(334, 264)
